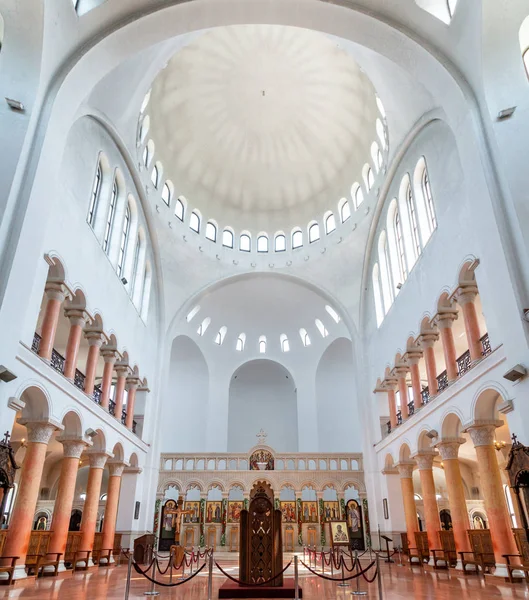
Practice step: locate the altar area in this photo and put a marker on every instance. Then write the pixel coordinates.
(314, 491)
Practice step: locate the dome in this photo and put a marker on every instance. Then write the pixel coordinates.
(262, 127)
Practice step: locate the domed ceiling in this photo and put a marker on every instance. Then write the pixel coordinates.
(262, 127)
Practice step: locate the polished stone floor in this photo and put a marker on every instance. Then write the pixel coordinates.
(399, 583)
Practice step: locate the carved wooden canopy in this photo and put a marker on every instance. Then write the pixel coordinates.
(8, 466)
(518, 464)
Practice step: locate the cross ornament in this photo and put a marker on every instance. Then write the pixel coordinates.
(514, 439)
(5, 441)
(261, 436)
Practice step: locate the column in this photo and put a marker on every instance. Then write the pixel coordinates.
(427, 341)
(456, 494)
(109, 356)
(401, 373)
(111, 510)
(408, 499)
(392, 408)
(493, 496)
(56, 294)
(121, 371)
(77, 318)
(62, 511)
(91, 503)
(95, 340)
(413, 361)
(465, 298)
(19, 532)
(132, 386)
(431, 510)
(444, 322)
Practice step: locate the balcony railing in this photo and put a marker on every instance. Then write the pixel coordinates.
(79, 379)
(463, 363)
(97, 394)
(411, 408)
(425, 394)
(35, 346)
(399, 417)
(442, 381)
(388, 424)
(485, 345)
(123, 416)
(134, 425)
(57, 361)
(112, 407)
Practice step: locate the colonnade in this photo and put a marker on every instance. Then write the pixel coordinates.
(99, 345)
(482, 436)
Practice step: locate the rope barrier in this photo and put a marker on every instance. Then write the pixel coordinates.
(341, 578)
(144, 573)
(251, 584)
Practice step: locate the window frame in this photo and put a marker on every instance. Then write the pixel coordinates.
(245, 236)
(399, 238)
(197, 217)
(414, 225)
(314, 238)
(177, 205)
(155, 176)
(228, 232)
(211, 231)
(265, 238)
(345, 206)
(328, 229)
(283, 237)
(95, 195)
(110, 216)
(124, 238)
(168, 200)
(295, 234)
(428, 200)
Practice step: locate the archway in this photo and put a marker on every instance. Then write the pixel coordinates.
(262, 394)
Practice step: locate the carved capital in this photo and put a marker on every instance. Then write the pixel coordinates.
(56, 290)
(97, 459)
(109, 354)
(401, 371)
(449, 449)
(76, 316)
(466, 294)
(116, 468)
(482, 435)
(405, 469)
(121, 369)
(445, 319)
(132, 382)
(40, 432)
(72, 448)
(425, 461)
(413, 357)
(94, 337)
(427, 340)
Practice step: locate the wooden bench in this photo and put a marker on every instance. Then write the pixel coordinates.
(81, 556)
(447, 554)
(422, 551)
(482, 554)
(51, 559)
(9, 568)
(105, 555)
(523, 566)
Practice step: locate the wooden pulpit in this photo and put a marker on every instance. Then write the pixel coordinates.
(143, 547)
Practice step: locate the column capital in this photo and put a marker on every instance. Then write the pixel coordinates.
(405, 469)
(445, 318)
(425, 460)
(94, 337)
(449, 447)
(40, 431)
(482, 433)
(401, 371)
(72, 447)
(466, 294)
(412, 357)
(121, 369)
(132, 382)
(76, 316)
(116, 468)
(56, 290)
(390, 384)
(427, 340)
(98, 459)
(109, 354)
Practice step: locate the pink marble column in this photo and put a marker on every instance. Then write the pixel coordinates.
(465, 297)
(392, 403)
(401, 373)
(95, 340)
(444, 322)
(17, 541)
(56, 294)
(132, 386)
(427, 342)
(408, 499)
(431, 509)
(77, 318)
(109, 356)
(111, 509)
(122, 371)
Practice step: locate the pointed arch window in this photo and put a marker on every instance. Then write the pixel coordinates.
(330, 224)
(192, 313)
(227, 238)
(203, 326)
(145, 101)
(428, 200)
(166, 193)
(410, 205)
(241, 342)
(179, 209)
(305, 339)
(285, 344)
(194, 222)
(397, 225)
(381, 133)
(345, 211)
(155, 176)
(221, 334)
(297, 239)
(146, 155)
(379, 309)
(280, 243)
(124, 237)
(262, 344)
(245, 243)
(385, 277)
(135, 265)
(314, 233)
(110, 215)
(370, 179)
(262, 243)
(94, 197)
(321, 328)
(211, 231)
(333, 314)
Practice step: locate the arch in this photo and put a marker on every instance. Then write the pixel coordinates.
(423, 441)
(73, 424)
(451, 425)
(332, 313)
(245, 242)
(194, 484)
(369, 178)
(321, 328)
(262, 344)
(467, 273)
(117, 451)
(180, 208)
(280, 242)
(227, 237)
(397, 254)
(211, 231)
(191, 314)
(156, 174)
(353, 483)
(262, 242)
(99, 441)
(221, 334)
(285, 344)
(203, 326)
(305, 338)
(389, 462)
(524, 43)
(241, 342)
(297, 238)
(329, 221)
(357, 195)
(404, 452)
(385, 265)
(216, 483)
(408, 212)
(148, 153)
(313, 232)
(167, 192)
(195, 221)
(37, 402)
(344, 209)
(133, 461)
(376, 156)
(484, 404)
(424, 199)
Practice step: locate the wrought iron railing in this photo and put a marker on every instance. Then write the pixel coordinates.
(463, 363)
(79, 379)
(399, 417)
(123, 416)
(442, 381)
(57, 361)
(411, 408)
(425, 394)
(134, 425)
(97, 394)
(111, 407)
(35, 345)
(388, 424)
(485, 345)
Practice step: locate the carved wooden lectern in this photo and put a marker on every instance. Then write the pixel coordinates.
(261, 551)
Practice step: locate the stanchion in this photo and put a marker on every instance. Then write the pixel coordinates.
(343, 583)
(379, 574)
(152, 591)
(322, 561)
(129, 571)
(296, 580)
(191, 561)
(210, 576)
(331, 553)
(400, 557)
(304, 556)
(171, 566)
(358, 592)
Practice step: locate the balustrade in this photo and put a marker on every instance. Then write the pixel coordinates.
(389, 427)
(57, 361)
(411, 408)
(79, 379)
(425, 395)
(463, 363)
(111, 407)
(399, 417)
(97, 394)
(485, 344)
(123, 416)
(36, 343)
(442, 381)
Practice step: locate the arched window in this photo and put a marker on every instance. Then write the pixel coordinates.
(381, 133)
(297, 239)
(211, 231)
(376, 155)
(410, 205)
(305, 339)
(145, 101)
(379, 310)
(385, 277)
(94, 197)
(144, 129)
(321, 328)
(148, 153)
(280, 242)
(333, 314)
(380, 106)
(192, 313)
(124, 237)
(525, 57)
(330, 223)
(166, 193)
(262, 243)
(110, 215)
(179, 209)
(203, 326)
(227, 238)
(345, 211)
(145, 291)
(428, 200)
(370, 179)
(194, 222)
(397, 225)
(137, 250)
(241, 341)
(314, 233)
(245, 243)
(155, 176)
(451, 6)
(262, 344)
(221, 334)
(285, 345)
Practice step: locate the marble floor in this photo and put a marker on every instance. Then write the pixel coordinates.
(399, 583)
